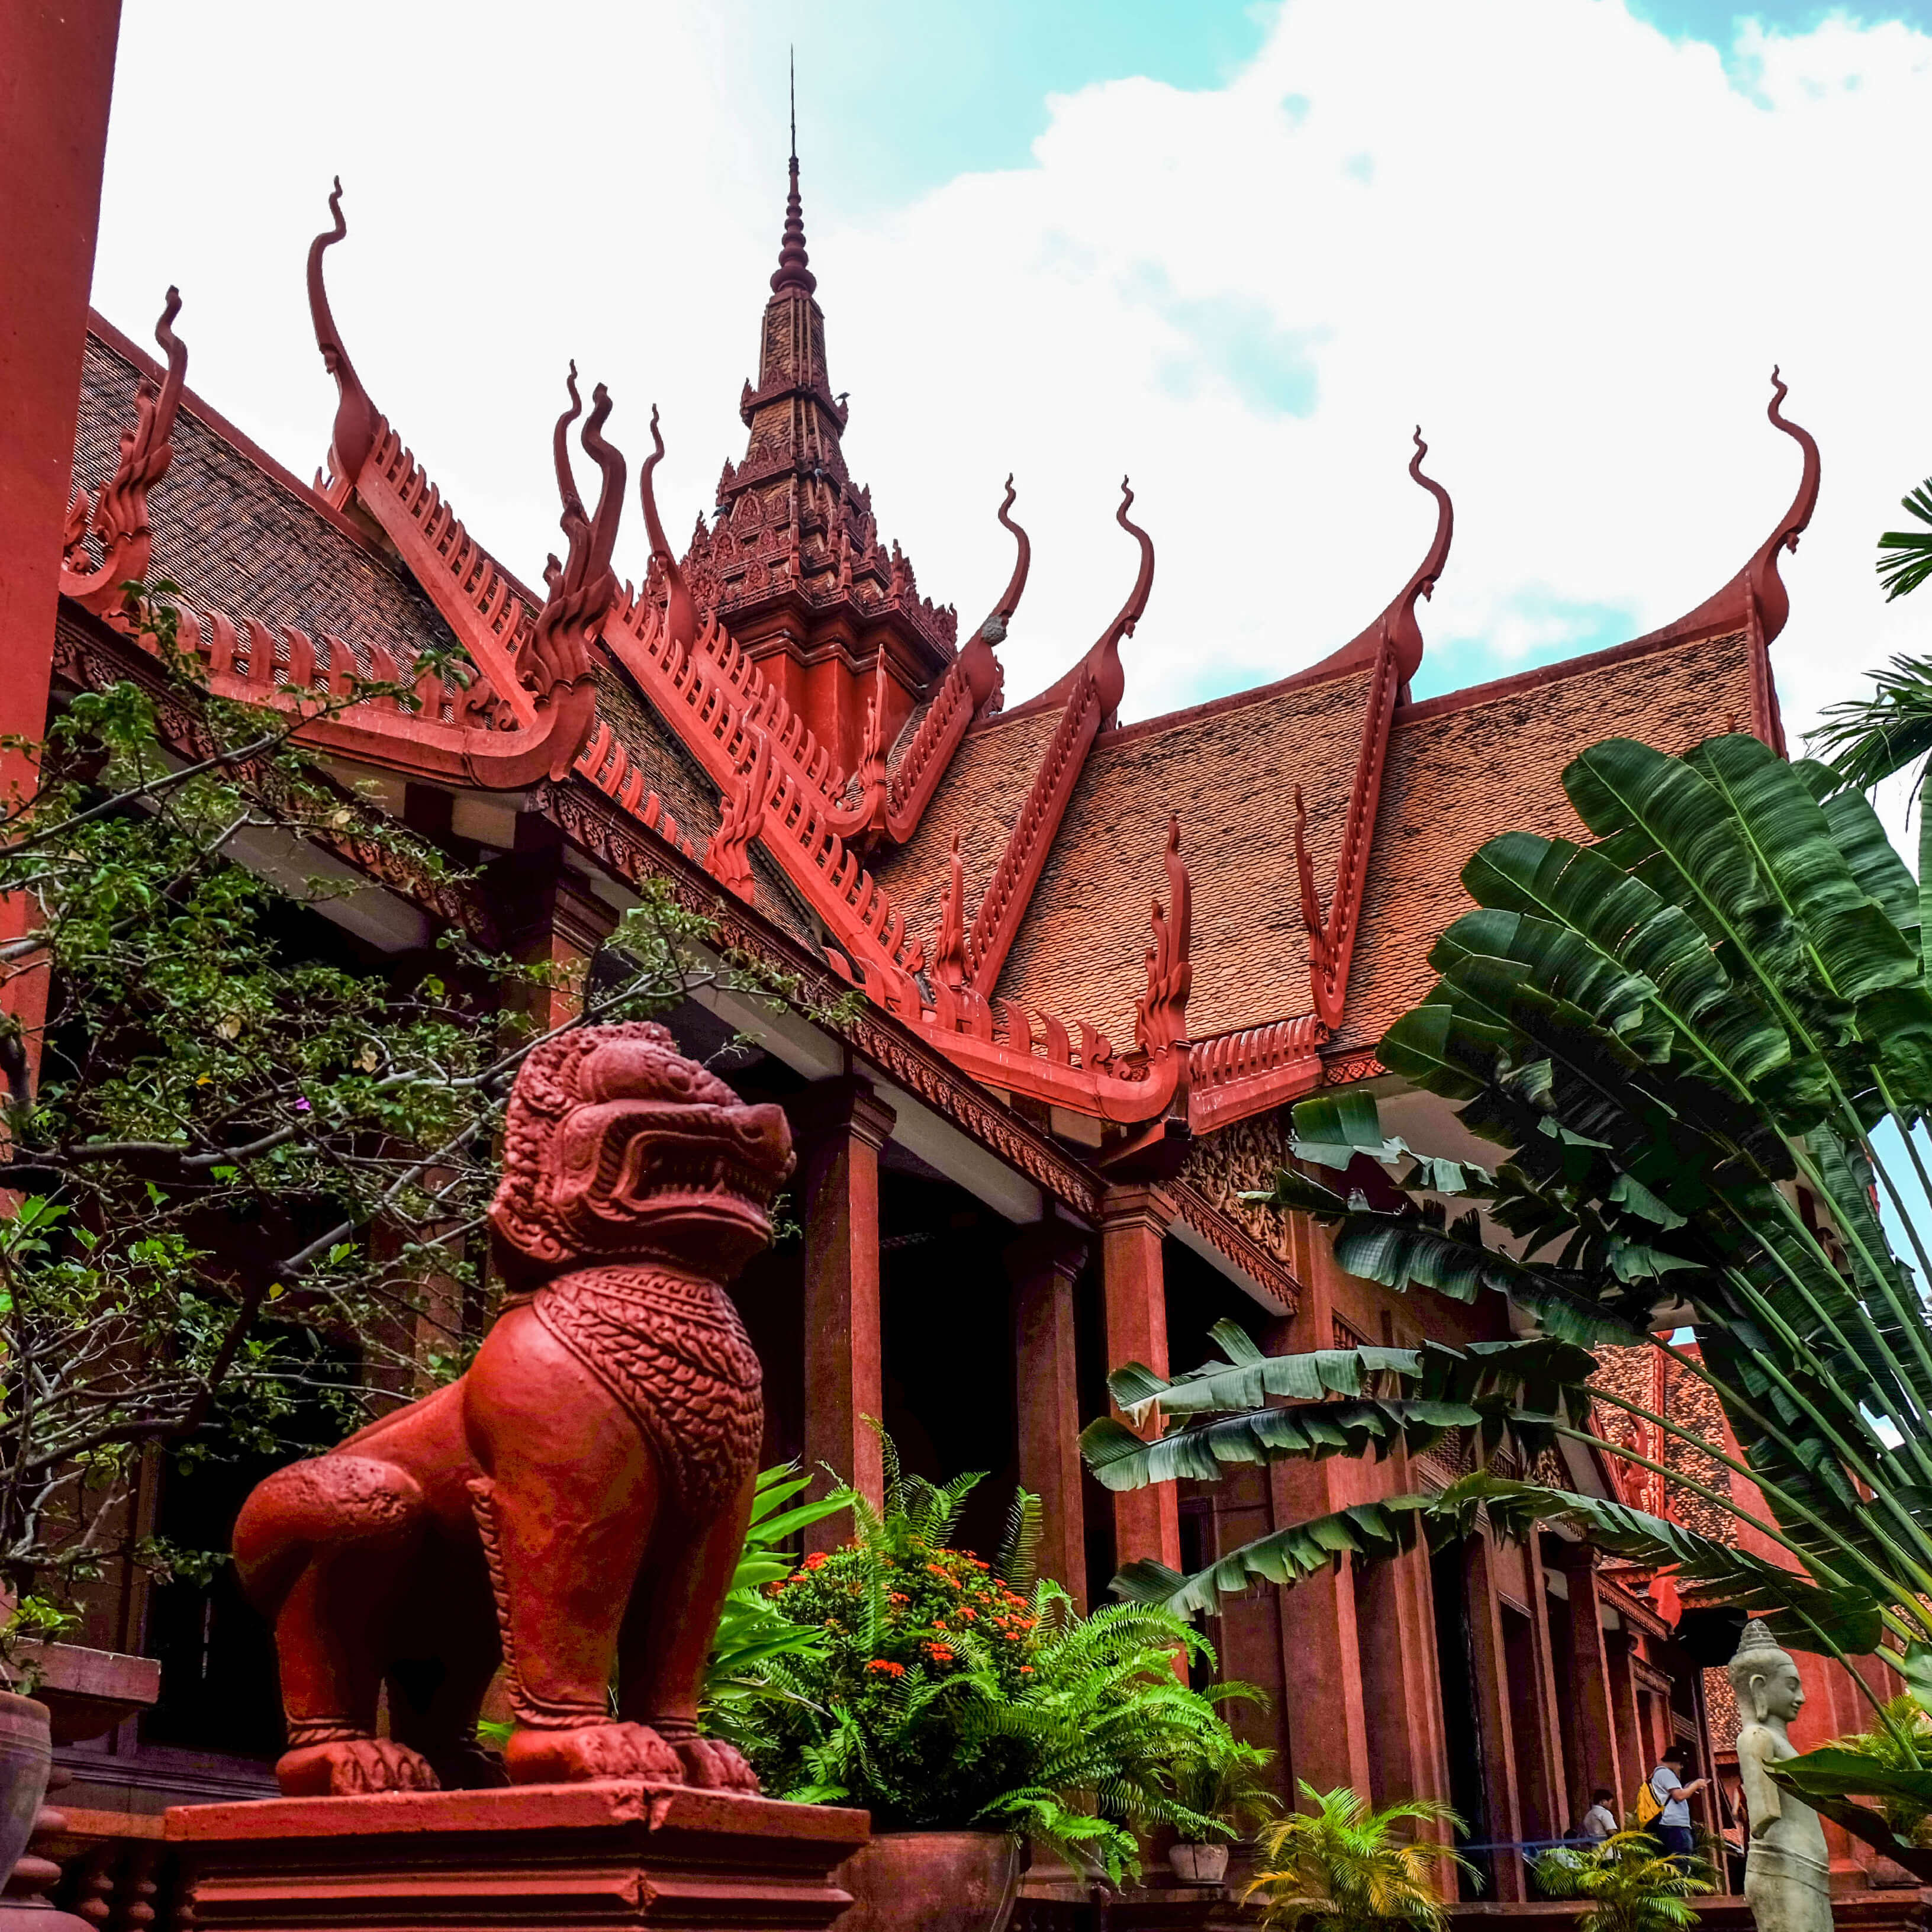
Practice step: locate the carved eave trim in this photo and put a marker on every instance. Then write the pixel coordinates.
(1199, 1224)
(89, 654)
(1253, 1070)
(610, 835)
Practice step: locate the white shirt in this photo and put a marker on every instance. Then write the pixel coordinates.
(1599, 1822)
(1664, 1784)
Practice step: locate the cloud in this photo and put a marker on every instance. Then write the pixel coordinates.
(1569, 246)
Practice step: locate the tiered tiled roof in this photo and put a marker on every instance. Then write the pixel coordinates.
(1229, 770)
(988, 878)
(1464, 767)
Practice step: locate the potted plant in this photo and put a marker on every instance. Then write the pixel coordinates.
(1629, 1885)
(1343, 1866)
(1227, 1784)
(26, 1735)
(973, 1710)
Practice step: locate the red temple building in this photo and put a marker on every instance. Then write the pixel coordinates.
(1092, 972)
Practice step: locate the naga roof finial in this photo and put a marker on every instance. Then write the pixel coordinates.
(1396, 629)
(1102, 662)
(1773, 601)
(355, 433)
(583, 587)
(994, 630)
(680, 608)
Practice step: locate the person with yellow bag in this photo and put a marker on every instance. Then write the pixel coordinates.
(1663, 1807)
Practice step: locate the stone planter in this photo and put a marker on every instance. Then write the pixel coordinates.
(26, 1756)
(1199, 1864)
(933, 1881)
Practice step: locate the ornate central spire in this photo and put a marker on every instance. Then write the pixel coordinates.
(793, 563)
(792, 270)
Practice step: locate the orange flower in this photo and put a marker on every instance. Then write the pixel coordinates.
(887, 1667)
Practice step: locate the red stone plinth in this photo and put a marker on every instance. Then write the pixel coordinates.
(576, 1856)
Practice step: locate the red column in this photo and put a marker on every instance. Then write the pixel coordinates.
(1494, 1719)
(1147, 1522)
(56, 77)
(1634, 1750)
(1587, 1670)
(1043, 1265)
(1549, 1732)
(841, 1125)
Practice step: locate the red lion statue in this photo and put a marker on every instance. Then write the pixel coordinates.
(571, 1509)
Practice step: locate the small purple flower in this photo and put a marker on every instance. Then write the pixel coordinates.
(301, 1104)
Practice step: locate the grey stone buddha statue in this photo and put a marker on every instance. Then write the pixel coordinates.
(1787, 1869)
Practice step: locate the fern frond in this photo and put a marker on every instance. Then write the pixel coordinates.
(1019, 1562)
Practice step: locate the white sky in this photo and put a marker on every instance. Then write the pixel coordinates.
(1569, 247)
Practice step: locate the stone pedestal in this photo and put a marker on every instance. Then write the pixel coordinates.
(577, 1856)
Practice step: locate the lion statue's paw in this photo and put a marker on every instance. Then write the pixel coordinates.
(594, 1750)
(714, 1765)
(352, 1767)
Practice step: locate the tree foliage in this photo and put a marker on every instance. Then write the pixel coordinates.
(251, 1175)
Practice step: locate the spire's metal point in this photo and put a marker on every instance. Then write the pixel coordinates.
(792, 59)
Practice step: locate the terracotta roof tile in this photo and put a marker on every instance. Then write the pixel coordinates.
(1230, 771)
(233, 535)
(980, 798)
(1460, 772)
(689, 796)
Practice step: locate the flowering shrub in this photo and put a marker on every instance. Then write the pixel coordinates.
(948, 1693)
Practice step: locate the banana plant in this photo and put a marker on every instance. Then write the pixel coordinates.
(1688, 1041)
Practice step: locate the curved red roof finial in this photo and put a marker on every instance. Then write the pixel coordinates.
(1009, 598)
(1396, 627)
(1755, 601)
(1773, 601)
(680, 608)
(1103, 661)
(354, 435)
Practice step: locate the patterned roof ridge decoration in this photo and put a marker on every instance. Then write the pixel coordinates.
(439, 730)
(890, 808)
(1090, 697)
(728, 857)
(670, 617)
(116, 521)
(1253, 1068)
(1393, 643)
(1755, 600)
(370, 466)
(714, 697)
(997, 1042)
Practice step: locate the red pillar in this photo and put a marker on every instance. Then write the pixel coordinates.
(1549, 1723)
(841, 1125)
(1634, 1750)
(56, 78)
(1147, 1522)
(1494, 1720)
(1588, 1678)
(1043, 1265)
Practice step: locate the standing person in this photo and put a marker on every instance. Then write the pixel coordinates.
(1667, 1786)
(1599, 1822)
